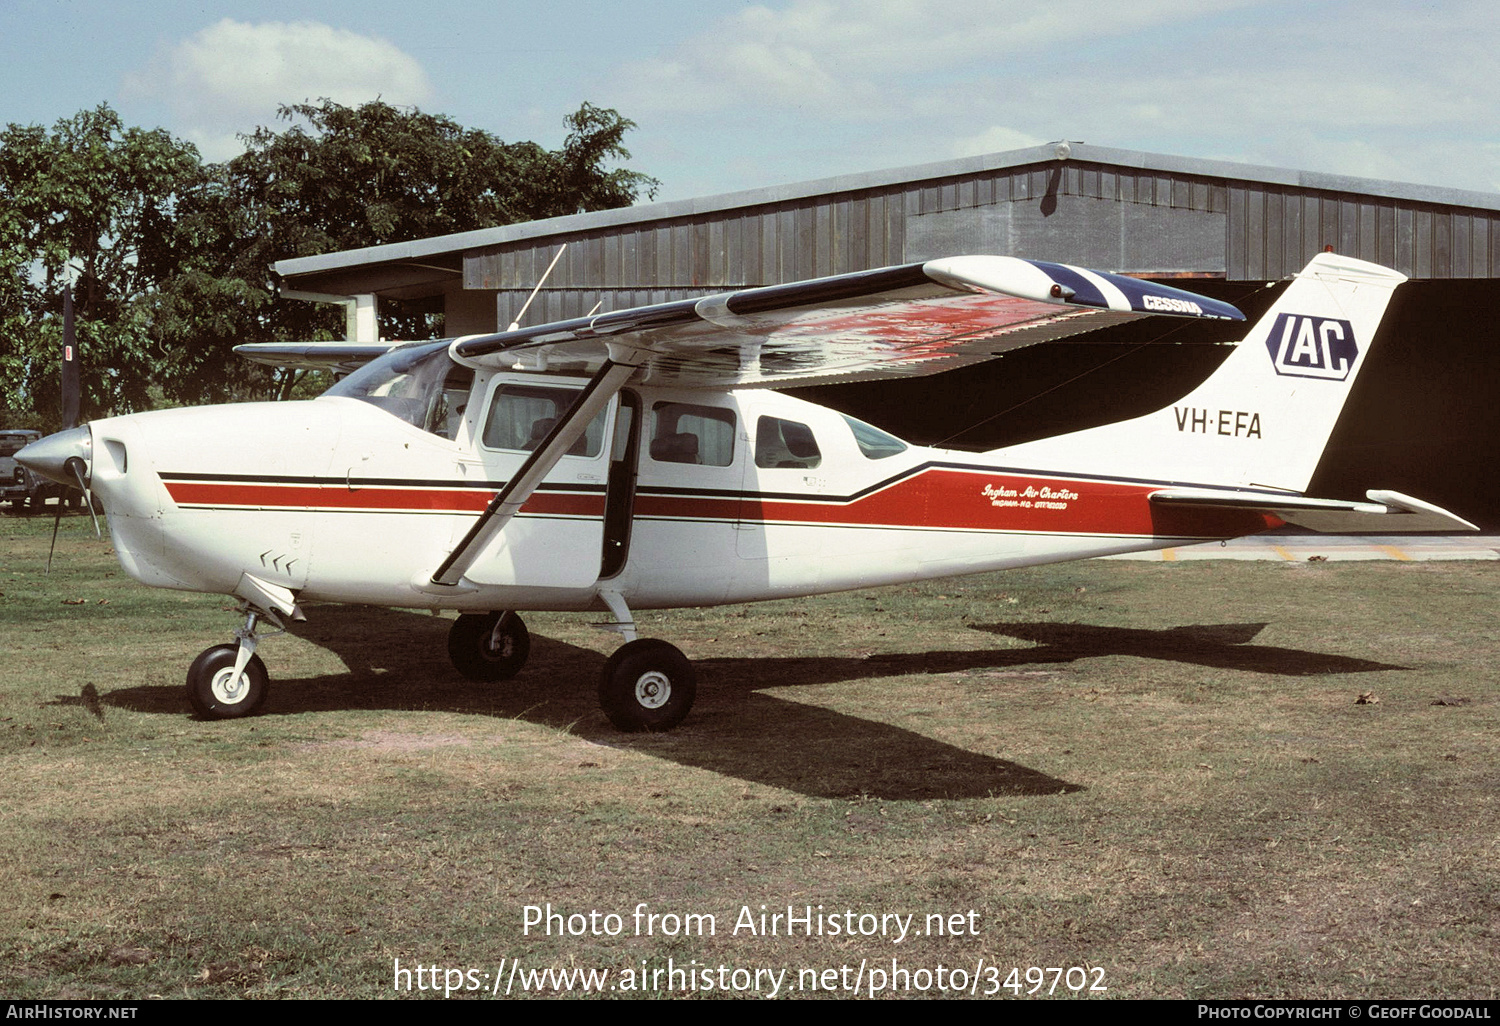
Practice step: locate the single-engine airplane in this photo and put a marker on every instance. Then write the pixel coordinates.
(640, 460)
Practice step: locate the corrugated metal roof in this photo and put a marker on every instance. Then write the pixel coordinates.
(716, 207)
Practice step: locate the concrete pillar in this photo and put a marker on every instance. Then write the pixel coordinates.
(360, 321)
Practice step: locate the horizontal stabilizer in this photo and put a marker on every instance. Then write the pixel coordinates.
(339, 356)
(1396, 513)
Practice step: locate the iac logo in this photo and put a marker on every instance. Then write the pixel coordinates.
(1312, 347)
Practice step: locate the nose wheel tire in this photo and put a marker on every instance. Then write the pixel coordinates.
(215, 693)
(647, 685)
(489, 646)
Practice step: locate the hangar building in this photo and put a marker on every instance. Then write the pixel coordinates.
(1420, 420)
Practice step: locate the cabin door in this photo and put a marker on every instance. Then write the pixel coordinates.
(556, 539)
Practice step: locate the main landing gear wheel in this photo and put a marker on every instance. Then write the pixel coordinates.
(647, 685)
(489, 646)
(214, 692)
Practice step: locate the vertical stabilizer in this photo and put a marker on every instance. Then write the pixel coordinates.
(1262, 419)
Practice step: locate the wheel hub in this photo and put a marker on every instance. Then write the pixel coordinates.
(653, 689)
(228, 688)
(500, 646)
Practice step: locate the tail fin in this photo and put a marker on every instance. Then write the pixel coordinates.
(1262, 419)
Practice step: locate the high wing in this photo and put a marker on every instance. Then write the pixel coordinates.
(909, 320)
(897, 321)
(893, 322)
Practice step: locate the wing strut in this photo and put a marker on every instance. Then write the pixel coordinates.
(609, 379)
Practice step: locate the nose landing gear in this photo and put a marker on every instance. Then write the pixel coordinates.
(227, 682)
(219, 691)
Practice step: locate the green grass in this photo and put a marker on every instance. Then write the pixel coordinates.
(1156, 769)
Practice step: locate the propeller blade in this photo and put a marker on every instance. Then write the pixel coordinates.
(76, 466)
(56, 520)
(71, 389)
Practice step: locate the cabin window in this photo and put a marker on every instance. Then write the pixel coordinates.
(521, 416)
(687, 433)
(446, 413)
(872, 441)
(785, 444)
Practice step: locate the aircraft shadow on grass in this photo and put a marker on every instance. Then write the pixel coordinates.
(1221, 646)
(397, 660)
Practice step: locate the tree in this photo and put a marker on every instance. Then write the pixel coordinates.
(92, 202)
(347, 177)
(374, 174)
(171, 258)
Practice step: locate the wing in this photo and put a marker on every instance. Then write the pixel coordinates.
(909, 320)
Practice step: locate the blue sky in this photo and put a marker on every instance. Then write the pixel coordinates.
(732, 95)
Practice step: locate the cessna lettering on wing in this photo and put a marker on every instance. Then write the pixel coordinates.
(1164, 304)
(1233, 423)
(1312, 347)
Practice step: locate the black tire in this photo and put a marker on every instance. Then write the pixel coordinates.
(647, 685)
(489, 646)
(208, 684)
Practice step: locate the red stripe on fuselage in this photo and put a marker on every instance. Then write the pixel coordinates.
(937, 498)
(978, 500)
(267, 495)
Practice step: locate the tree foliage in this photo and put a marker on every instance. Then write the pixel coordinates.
(171, 258)
(339, 178)
(92, 202)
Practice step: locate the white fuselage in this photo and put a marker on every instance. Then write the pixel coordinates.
(676, 498)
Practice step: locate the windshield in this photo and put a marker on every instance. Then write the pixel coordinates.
(420, 384)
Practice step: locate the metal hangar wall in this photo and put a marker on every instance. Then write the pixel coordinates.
(1114, 209)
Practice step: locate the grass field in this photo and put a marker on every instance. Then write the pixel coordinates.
(1157, 773)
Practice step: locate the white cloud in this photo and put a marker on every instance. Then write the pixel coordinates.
(1392, 90)
(232, 76)
(844, 55)
(995, 139)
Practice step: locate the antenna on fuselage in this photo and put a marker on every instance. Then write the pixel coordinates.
(527, 305)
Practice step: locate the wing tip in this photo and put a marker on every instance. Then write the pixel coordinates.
(1067, 285)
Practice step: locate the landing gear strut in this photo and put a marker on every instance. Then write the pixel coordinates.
(226, 682)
